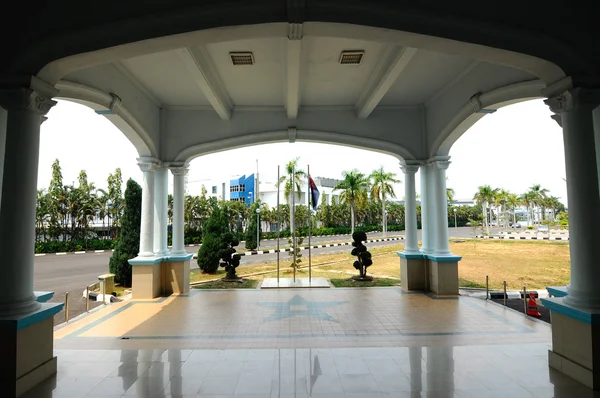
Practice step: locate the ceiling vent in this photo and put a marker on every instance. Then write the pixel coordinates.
(351, 57)
(242, 58)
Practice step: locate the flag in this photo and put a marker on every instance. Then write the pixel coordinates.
(314, 193)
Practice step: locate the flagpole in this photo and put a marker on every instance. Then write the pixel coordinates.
(278, 223)
(293, 219)
(309, 194)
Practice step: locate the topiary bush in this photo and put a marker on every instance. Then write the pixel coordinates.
(209, 255)
(363, 256)
(128, 242)
(230, 260)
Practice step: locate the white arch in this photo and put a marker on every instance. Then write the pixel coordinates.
(292, 135)
(120, 116)
(544, 70)
(470, 113)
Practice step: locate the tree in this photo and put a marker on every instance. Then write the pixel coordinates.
(230, 260)
(450, 195)
(381, 187)
(251, 235)
(485, 196)
(292, 180)
(354, 191)
(128, 242)
(115, 198)
(363, 257)
(209, 254)
(513, 201)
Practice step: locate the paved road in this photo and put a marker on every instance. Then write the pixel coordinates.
(73, 272)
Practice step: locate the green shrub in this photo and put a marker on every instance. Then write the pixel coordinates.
(128, 242)
(212, 241)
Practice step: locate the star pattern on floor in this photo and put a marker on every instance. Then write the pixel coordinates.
(298, 305)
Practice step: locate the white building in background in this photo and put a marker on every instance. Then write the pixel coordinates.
(220, 190)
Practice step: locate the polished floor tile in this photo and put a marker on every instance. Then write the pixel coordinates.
(346, 343)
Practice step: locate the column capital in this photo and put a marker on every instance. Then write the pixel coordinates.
(409, 167)
(178, 169)
(37, 97)
(439, 162)
(571, 98)
(148, 163)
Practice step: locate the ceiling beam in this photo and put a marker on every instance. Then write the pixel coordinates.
(386, 73)
(293, 70)
(202, 70)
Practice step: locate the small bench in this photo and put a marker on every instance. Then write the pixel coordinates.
(557, 291)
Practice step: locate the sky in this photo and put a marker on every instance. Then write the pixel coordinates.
(514, 148)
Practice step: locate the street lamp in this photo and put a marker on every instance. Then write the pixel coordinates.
(257, 229)
(455, 225)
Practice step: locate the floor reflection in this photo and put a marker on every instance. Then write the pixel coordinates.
(476, 371)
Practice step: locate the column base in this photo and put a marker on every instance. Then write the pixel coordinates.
(575, 342)
(27, 349)
(425, 272)
(176, 274)
(160, 276)
(413, 272)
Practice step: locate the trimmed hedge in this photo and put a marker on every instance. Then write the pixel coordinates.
(74, 246)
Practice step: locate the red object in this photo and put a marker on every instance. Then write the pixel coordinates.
(532, 309)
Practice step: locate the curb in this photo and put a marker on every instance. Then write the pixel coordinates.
(258, 252)
(522, 237)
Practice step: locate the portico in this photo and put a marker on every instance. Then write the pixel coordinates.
(198, 80)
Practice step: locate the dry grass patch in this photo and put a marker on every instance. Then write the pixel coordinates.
(521, 263)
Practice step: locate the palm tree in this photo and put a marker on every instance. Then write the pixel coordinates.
(354, 191)
(450, 195)
(500, 203)
(382, 186)
(292, 179)
(484, 196)
(536, 194)
(513, 201)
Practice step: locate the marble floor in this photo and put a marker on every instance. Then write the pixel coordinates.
(349, 343)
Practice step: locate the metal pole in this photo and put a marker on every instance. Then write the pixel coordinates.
(87, 298)
(293, 220)
(278, 223)
(505, 293)
(309, 225)
(525, 299)
(67, 307)
(487, 287)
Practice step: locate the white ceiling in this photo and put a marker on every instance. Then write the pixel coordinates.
(427, 73)
(323, 81)
(167, 79)
(260, 84)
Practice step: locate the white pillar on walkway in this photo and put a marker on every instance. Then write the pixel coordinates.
(179, 173)
(576, 107)
(148, 166)
(161, 195)
(410, 208)
(439, 165)
(22, 114)
(425, 213)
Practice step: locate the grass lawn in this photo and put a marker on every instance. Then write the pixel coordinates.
(352, 283)
(534, 264)
(245, 284)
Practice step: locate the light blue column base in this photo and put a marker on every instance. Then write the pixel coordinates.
(557, 291)
(575, 342)
(19, 322)
(42, 297)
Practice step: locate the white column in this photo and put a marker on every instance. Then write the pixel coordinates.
(410, 208)
(23, 111)
(576, 107)
(179, 173)
(439, 166)
(425, 214)
(161, 217)
(148, 167)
